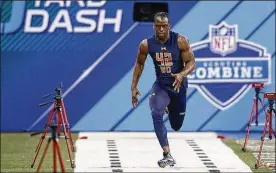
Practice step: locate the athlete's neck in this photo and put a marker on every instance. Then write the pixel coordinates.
(162, 40)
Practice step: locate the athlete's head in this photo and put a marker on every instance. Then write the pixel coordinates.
(161, 25)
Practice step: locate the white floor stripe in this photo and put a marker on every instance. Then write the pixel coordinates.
(139, 152)
(222, 156)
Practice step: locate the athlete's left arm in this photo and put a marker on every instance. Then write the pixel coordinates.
(188, 60)
(187, 55)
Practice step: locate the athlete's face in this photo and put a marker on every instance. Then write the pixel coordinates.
(161, 27)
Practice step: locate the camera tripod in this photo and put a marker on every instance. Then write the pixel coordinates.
(254, 109)
(56, 150)
(58, 112)
(268, 123)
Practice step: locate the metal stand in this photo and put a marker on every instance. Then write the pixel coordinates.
(60, 121)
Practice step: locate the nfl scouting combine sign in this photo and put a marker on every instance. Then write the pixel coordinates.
(227, 63)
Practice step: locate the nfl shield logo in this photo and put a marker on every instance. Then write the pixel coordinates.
(226, 62)
(223, 38)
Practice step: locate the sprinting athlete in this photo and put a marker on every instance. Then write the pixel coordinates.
(173, 60)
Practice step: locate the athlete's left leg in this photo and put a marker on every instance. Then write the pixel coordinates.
(177, 108)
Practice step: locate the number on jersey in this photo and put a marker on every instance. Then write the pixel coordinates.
(165, 60)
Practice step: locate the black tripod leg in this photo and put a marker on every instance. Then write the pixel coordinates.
(256, 111)
(66, 139)
(270, 125)
(67, 126)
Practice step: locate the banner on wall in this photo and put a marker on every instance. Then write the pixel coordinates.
(227, 65)
(79, 34)
(90, 17)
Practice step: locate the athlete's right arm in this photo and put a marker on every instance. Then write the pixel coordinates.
(138, 69)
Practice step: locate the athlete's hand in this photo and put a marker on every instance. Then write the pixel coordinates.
(135, 92)
(178, 81)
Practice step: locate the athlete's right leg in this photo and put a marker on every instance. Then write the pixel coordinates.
(158, 100)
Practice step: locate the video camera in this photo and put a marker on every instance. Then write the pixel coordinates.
(271, 97)
(258, 87)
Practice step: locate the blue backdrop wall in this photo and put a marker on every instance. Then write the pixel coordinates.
(91, 48)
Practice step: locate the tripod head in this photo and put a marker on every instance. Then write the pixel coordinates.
(271, 100)
(57, 96)
(258, 87)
